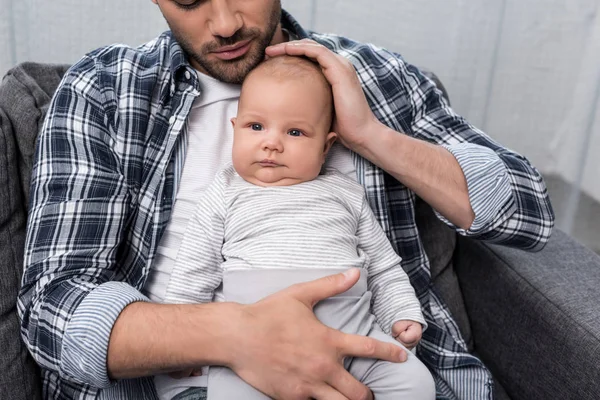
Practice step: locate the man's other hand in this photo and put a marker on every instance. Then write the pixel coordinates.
(282, 349)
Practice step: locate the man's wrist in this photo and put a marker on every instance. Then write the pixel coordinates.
(149, 339)
(383, 147)
(365, 141)
(225, 330)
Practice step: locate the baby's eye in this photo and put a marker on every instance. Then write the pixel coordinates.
(295, 132)
(256, 127)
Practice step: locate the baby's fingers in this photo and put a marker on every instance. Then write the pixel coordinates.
(410, 337)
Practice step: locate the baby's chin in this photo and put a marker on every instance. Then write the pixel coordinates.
(270, 182)
(268, 177)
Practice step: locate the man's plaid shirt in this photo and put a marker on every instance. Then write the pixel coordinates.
(108, 161)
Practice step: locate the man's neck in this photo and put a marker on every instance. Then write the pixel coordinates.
(280, 36)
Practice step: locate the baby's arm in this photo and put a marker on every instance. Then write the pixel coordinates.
(197, 271)
(394, 298)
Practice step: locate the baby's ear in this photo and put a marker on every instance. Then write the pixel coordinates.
(233, 120)
(331, 137)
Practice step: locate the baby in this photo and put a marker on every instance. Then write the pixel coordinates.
(276, 217)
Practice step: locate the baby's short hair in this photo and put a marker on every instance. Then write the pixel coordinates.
(294, 68)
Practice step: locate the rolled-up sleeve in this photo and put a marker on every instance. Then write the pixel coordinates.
(507, 194)
(488, 183)
(85, 341)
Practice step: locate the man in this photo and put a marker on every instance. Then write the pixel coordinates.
(120, 154)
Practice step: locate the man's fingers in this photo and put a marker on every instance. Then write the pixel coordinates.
(362, 346)
(348, 386)
(307, 48)
(310, 293)
(324, 392)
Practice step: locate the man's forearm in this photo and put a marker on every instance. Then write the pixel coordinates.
(149, 339)
(429, 170)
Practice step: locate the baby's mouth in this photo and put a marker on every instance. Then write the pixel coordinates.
(268, 163)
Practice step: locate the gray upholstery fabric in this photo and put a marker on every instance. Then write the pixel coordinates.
(27, 91)
(499, 392)
(23, 104)
(535, 316)
(17, 370)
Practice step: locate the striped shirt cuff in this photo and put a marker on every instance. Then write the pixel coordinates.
(85, 343)
(487, 181)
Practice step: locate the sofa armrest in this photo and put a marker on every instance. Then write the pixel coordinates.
(535, 317)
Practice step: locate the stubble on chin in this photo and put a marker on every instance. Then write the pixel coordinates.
(234, 71)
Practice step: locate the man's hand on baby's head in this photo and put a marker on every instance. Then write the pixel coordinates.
(354, 120)
(407, 332)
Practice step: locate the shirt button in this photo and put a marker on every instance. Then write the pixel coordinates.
(172, 120)
(187, 75)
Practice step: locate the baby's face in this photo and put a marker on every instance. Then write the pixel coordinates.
(281, 133)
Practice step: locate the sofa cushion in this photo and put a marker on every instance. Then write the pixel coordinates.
(19, 374)
(24, 101)
(535, 316)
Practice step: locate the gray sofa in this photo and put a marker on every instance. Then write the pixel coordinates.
(533, 318)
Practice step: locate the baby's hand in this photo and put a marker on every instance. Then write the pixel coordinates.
(407, 332)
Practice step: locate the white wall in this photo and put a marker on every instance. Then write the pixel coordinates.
(524, 71)
(61, 31)
(6, 36)
(583, 116)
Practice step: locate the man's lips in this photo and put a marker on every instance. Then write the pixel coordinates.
(233, 51)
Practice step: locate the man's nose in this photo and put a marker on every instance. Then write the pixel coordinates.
(226, 20)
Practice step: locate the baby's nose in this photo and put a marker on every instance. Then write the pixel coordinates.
(273, 143)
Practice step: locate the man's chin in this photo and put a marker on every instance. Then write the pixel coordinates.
(231, 71)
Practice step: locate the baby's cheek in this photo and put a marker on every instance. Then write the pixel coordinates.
(238, 159)
(313, 167)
